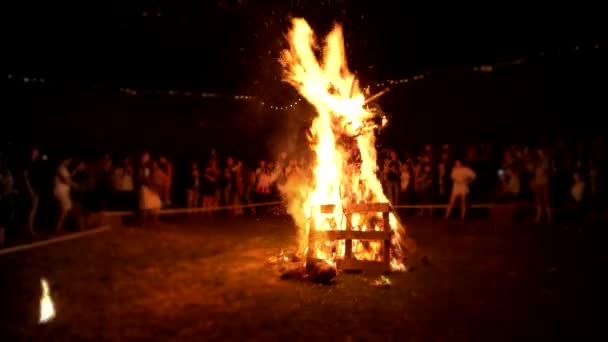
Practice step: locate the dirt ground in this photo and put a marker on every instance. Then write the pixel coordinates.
(206, 280)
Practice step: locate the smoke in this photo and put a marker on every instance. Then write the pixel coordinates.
(290, 133)
(296, 190)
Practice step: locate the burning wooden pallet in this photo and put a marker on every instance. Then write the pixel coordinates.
(349, 262)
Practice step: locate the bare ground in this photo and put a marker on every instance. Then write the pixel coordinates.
(206, 280)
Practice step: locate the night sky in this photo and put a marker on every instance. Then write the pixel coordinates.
(221, 44)
(231, 47)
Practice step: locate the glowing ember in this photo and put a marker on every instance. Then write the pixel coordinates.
(343, 140)
(47, 310)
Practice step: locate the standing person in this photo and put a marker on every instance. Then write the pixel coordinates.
(304, 168)
(384, 174)
(510, 186)
(144, 171)
(32, 177)
(194, 187)
(158, 182)
(291, 169)
(228, 181)
(423, 184)
(442, 176)
(540, 186)
(210, 186)
(159, 179)
(104, 178)
(263, 185)
(81, 177)
(250, 184)
(282, 162)
(239, 187)
(393, 178)
(149, 202)
(8, 194)
(461, 176)
(122, 184)
(213, 155)
(405, 181)
(128, 183)
(261, 168)
(279, 174)
(167, 167)
(577, 191)
(61, 192)
(116, 183)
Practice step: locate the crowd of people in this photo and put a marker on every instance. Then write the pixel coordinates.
(554, 177)
(557, 176)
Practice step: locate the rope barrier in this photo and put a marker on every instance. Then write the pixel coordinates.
(242, 206)
(194, 210)
(54, 240)
(442, 206)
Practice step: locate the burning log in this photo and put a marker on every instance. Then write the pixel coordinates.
(376, 96)
(317, 271)
(293, 272)
(320, 271)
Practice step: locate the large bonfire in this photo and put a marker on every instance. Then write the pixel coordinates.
(343, 141)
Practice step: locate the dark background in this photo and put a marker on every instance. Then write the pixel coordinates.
(87, 51)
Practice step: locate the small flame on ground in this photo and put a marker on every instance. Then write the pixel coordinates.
(47, 309)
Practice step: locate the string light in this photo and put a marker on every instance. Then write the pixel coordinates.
(403, 80)
(487, 68)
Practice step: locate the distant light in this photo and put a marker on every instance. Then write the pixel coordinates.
(26, 80)
(10, 77)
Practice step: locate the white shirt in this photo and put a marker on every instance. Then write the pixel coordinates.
(117, 175)
(514, 185)
(62, 181)
(462, 176)
(577, 191)
(405, 180)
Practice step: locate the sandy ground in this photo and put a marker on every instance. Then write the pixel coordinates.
(203, 280)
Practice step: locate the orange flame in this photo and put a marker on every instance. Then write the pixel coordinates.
(343, 125)
(47, 309)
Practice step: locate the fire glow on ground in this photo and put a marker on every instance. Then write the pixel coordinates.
(211, 278)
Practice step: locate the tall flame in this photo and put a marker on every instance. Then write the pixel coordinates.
(47, 310)
(343, 141)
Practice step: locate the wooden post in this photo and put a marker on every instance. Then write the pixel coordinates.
(348, 243)
(387, 243)
(349, 262)
(310, 254)
(374, 97)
